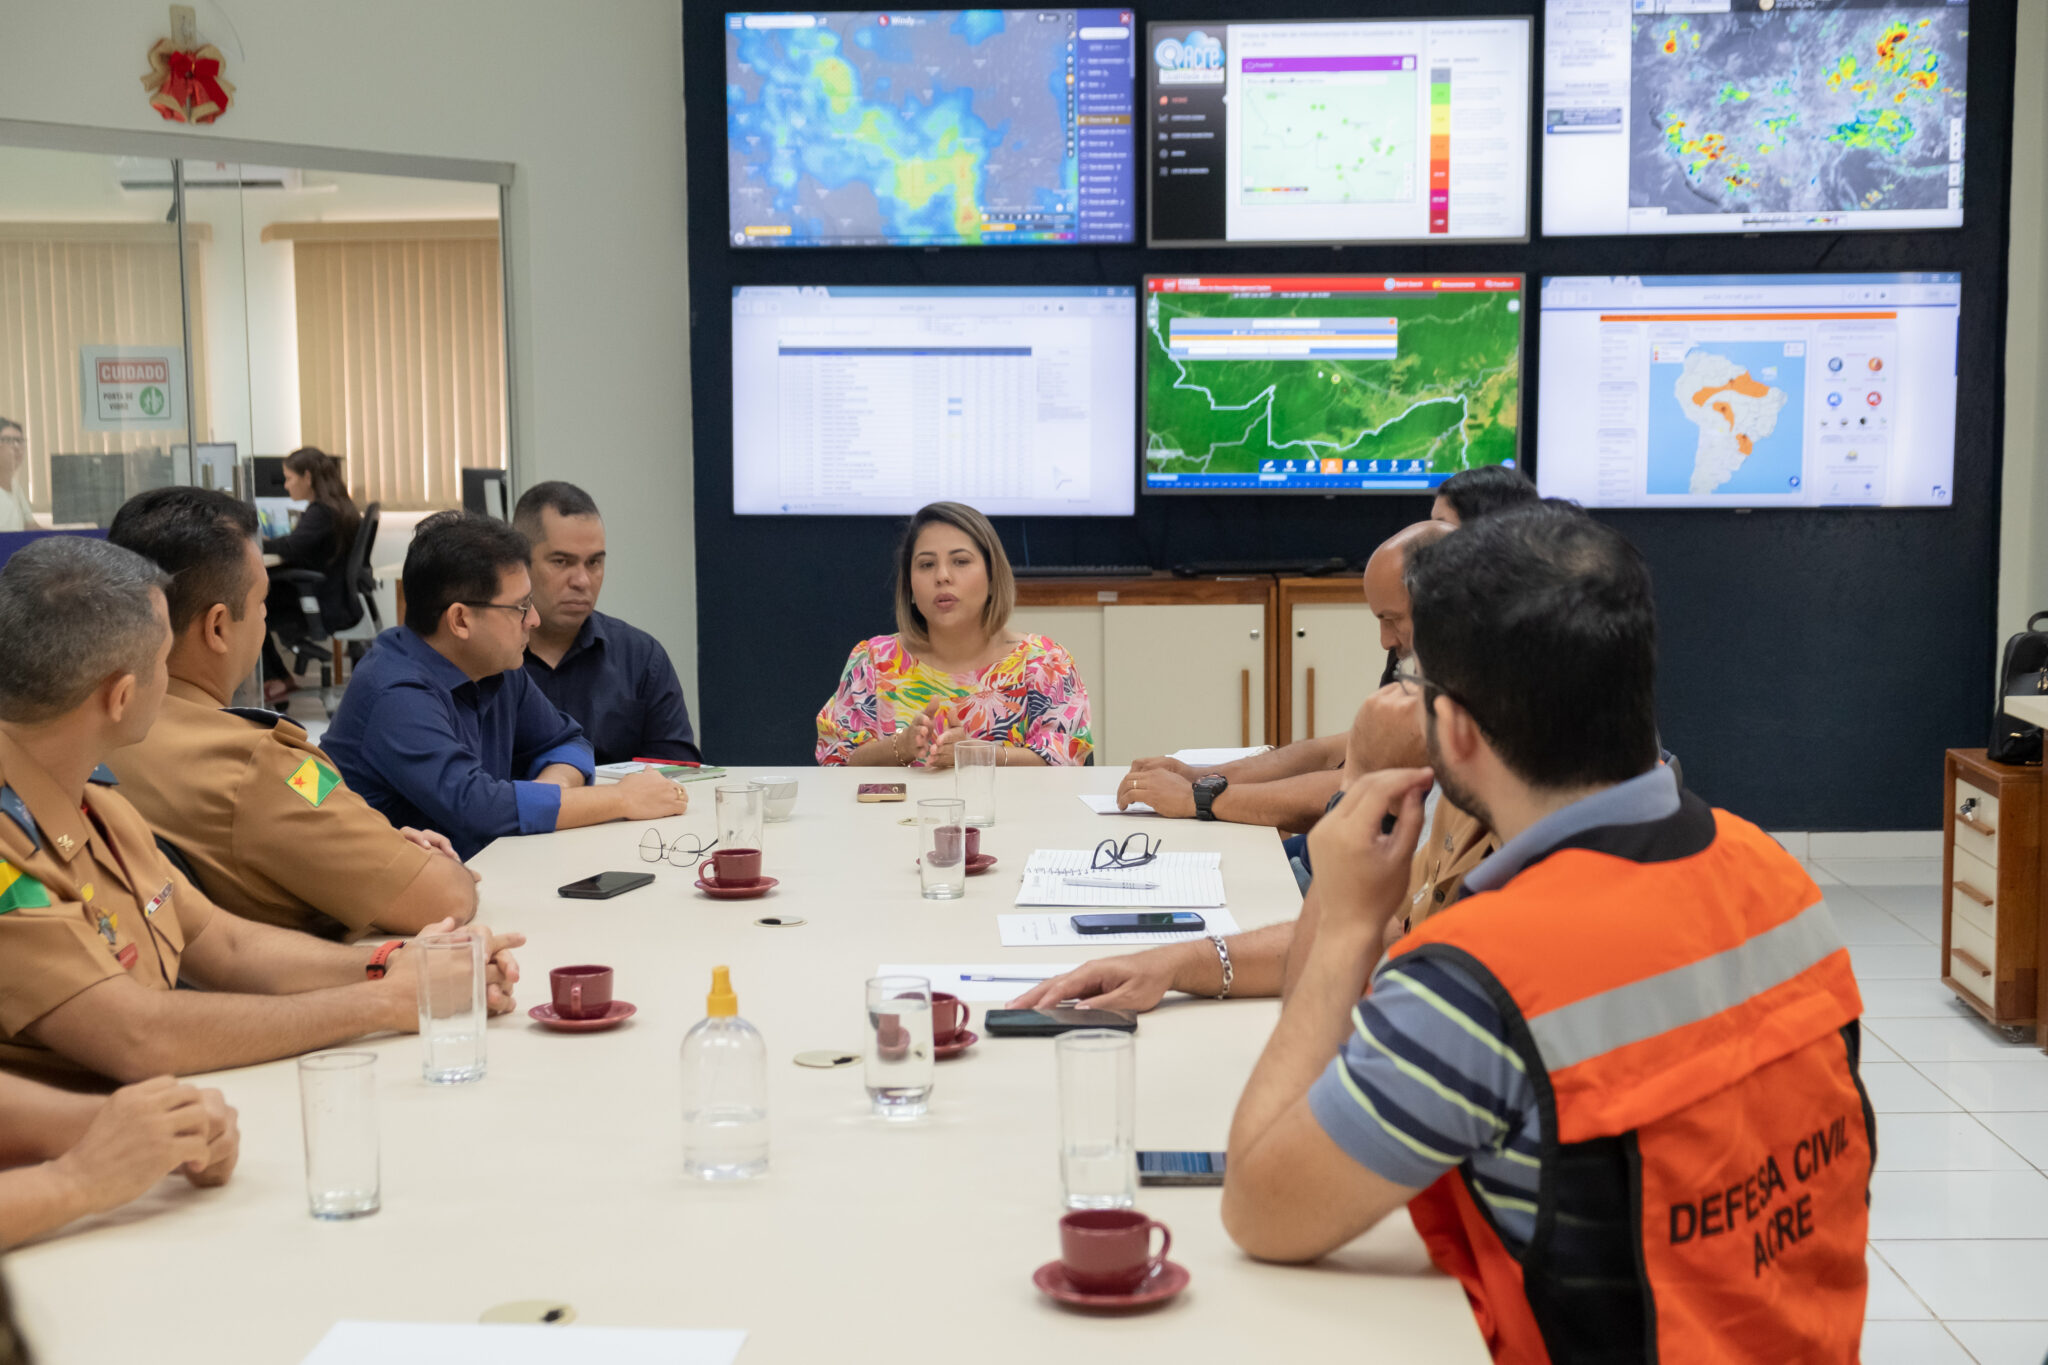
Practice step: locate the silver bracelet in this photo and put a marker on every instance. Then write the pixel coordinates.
(1223, 956)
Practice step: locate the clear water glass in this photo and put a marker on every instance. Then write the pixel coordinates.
(897, 1047)
(452, 985)
(1098, 1078)
(741, 814)
(974, 778)
(338, 1104)
(942, 848)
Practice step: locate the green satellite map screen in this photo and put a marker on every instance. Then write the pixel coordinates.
(1335, 383)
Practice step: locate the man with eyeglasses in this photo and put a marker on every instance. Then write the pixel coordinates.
(441, 728)
(15, 512)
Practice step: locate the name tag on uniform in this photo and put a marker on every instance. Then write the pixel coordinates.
(127, 956)
(157, 901)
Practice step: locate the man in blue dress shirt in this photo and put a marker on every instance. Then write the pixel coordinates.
(440, 727)
(614, 679)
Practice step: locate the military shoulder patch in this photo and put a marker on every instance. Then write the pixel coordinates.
(312, 780)
(18, 890)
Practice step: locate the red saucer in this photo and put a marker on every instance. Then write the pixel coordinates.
(718, 891)
(1161, 1285)
(980, 863)
(618, 1014)
(964, 1039)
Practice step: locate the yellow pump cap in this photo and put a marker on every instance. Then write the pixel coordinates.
(721, 1003)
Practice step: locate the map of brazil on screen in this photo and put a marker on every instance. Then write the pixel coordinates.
(1835, 108)
(1726, 418)
(1396, 382)
(953, 127)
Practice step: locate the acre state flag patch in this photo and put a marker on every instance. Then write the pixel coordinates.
(313, 780)
(18, 889)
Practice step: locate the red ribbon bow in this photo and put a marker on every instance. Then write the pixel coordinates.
(187, 86)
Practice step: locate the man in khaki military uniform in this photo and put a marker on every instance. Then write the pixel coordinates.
(96, 927)
(260, 813)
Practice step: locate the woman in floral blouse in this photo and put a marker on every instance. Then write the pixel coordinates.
(953, 670)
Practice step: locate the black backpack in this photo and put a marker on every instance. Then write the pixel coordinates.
(2024, 673)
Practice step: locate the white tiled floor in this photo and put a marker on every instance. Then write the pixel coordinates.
(1959, 1204)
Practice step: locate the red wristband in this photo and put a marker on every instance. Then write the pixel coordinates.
(375, 968)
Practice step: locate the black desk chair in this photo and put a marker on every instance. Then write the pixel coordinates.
(322, 643)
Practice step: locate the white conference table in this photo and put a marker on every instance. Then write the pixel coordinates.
(558, 1177)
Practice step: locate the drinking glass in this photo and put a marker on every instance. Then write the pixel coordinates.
(740, 814)
(452, 985)
(897, 1046)
(338, 1103)
(974, 778)
(1098, 1118)
(942, 848)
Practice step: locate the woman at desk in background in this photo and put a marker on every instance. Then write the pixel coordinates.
(954, 670)
(15, 513)
(320, 541)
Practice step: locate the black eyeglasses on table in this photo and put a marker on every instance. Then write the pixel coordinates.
(1135, 851)
(685, 852)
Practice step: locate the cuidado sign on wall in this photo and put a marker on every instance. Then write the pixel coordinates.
(132, 388)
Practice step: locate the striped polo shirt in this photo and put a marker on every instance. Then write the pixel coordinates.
(1427, 1081)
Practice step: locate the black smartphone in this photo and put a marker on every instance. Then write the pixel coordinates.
(604, 886)
(1180, 1168)
(1058, 1019)
(1141, 922)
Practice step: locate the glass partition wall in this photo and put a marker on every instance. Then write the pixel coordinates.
(169, 316)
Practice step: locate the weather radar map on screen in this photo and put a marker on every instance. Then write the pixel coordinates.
(1808, 115)
(930, 127)
(1329, 383)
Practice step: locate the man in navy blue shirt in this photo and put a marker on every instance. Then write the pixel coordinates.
(614, 679)
(440, 728)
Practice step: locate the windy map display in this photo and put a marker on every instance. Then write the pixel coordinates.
(930, 127)
(1763, 115)
(1348, 383)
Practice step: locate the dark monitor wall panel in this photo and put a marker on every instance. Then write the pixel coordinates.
(1814, 663)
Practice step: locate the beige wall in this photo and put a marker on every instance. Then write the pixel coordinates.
(2023, 520)
(584, 101)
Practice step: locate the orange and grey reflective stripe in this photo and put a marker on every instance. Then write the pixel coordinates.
(1655, 1005)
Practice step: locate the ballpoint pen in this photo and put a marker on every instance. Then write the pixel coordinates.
(969, 976)
(1111, 884)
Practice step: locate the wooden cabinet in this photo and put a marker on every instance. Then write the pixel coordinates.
(1991, 878)
(1329, 657)
(1170, 663)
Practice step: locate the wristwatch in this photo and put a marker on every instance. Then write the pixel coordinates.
(1207, 789)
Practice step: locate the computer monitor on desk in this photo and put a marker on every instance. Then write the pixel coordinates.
(484, 490)
(214, 469)
(277, 516)
(264, 475)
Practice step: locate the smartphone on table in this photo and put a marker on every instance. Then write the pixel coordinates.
(1141, 922)
(1180, 1168)
(604, 886)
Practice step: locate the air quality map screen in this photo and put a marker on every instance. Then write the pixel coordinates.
(930, 127)
(1326, 384)
(1664, 116)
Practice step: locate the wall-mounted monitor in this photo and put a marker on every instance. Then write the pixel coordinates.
(1749, 390)
(1329, 383)
(1752, 116)
(1380, 130)
(931, 127)
(873, 401)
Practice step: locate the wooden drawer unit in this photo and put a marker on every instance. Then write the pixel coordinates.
(1991, 877)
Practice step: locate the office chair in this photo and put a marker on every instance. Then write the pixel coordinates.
(322, 644)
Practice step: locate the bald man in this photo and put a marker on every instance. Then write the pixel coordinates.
(1291, 787)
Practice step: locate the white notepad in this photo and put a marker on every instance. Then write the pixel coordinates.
(1058, 931)
(1106, 805)
(471, 1343)
(1183, 881)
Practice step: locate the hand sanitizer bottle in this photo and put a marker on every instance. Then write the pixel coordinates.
(725, 1091)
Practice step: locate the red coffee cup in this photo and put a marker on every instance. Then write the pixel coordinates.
(1108, 1251)
(948, 845)
(949, 1016)
(736, 866)
(582, 992)
(973, 842)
